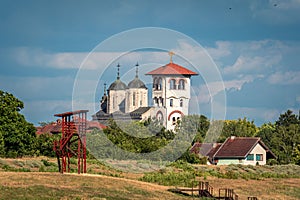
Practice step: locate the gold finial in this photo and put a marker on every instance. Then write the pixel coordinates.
(171, 54)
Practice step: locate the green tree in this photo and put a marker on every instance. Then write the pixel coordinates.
(195, 126)
(44, 144)
(284, 138)
(266, 133)
(287, 118)
(17, 136)
(239, 128)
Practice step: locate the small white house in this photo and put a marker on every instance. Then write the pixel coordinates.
(238, 150)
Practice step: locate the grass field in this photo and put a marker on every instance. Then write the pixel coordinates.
(35, 178)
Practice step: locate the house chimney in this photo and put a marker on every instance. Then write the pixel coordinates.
(232, 137)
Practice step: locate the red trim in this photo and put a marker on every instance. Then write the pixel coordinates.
(174, 111)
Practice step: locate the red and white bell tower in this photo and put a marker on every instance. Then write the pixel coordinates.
(171, 92)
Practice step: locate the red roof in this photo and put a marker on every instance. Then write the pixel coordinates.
(238, 147)
(172, 69)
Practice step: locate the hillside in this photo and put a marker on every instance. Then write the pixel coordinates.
(35, 178)
(45, 185)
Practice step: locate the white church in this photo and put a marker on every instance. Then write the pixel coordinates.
(170, 95)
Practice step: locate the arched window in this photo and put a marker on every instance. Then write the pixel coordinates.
(173, 121)
(155, 101)
(133, 99)
(159, 84)
(155, 83)
(162, 101)
(181, 84)
(171, 102)
(181, 102)
(172, 84)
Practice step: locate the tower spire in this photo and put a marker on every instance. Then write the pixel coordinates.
(171, 54)
(137, 70)
(118, 71)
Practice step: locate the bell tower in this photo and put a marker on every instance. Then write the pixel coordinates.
(171, 91)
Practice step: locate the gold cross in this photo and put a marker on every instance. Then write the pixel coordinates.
(171, 53)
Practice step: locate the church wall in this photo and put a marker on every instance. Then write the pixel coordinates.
(115, 99)
(141, 99)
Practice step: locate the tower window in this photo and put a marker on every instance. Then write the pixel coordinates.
(171, 102)
(172, 84)
(181, 85)
(181, 102)
(159, 84)
(173, 120)
(162, 101)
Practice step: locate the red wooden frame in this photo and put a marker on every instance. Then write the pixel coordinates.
(73, 129)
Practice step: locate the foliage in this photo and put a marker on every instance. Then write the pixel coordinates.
(178, 169)
(192, 158)
(283, 137)
(17, 136)
(239, 128)
(44, 144)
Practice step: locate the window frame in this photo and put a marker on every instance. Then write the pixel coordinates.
(181, 84)
(172, 84)
(260, 156)
(250, 157)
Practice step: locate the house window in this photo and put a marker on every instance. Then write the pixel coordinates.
(259, 157)
(171, 102)
(181, 84)
(181, 102)
(172, 84)
(250, 157)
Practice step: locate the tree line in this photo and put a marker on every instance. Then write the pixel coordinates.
(18, 138)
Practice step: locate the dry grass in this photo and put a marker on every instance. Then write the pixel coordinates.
(267, 189)
(37, 185)
(52, 185)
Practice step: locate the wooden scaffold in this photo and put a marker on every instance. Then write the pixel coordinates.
(72, 141)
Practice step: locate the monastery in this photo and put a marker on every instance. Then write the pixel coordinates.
(171, 94)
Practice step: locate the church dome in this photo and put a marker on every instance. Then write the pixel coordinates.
(117, 85)
(136, 83)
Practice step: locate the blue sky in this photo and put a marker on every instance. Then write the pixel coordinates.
(255, 45)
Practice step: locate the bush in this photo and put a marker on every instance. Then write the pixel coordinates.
(193, 158)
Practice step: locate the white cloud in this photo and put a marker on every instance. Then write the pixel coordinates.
(209, 90)
(222, 49)
(285, 78)
(254, 64)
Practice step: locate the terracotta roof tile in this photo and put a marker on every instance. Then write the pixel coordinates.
(172, 69)
(236, 147)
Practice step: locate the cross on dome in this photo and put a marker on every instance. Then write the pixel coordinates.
(137, 70)
(118, 73)
(171, 54)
